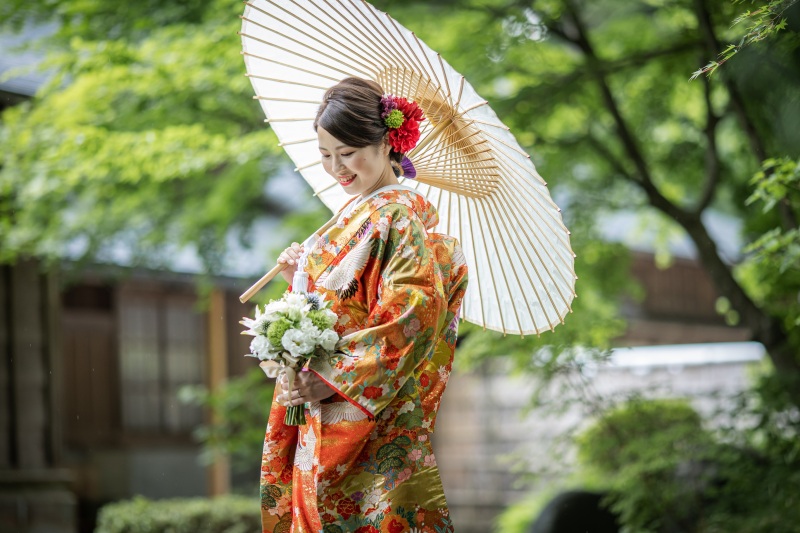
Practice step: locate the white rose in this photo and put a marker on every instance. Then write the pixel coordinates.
(294, 315)
(296, 343)
(310, 331)
(328, 339)
(298, 301)
(259, 346)
(272, 309)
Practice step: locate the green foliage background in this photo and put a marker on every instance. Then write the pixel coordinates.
(147, 137)
(239, 410)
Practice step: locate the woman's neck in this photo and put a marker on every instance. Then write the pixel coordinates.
(387, 178)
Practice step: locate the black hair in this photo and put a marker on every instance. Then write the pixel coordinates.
(351, 112)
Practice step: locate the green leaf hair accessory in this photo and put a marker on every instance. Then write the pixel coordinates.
(394, 119)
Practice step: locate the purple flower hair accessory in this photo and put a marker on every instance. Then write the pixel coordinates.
(408, 168)
(387, 105)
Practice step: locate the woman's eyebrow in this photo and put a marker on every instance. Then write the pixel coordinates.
(335, 148)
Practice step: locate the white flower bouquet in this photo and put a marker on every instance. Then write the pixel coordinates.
(289, 332)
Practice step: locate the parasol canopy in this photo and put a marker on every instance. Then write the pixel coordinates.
(469, 166)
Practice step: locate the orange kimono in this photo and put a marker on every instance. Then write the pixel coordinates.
(363, 462)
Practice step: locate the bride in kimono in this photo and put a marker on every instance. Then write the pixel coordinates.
(363, 461)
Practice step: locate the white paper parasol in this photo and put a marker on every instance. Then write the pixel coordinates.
(484, 186)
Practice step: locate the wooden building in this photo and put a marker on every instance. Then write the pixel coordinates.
(89, 380)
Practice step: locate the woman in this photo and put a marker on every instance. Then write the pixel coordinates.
(363, 462)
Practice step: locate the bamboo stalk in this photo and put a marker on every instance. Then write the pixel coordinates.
(429, 138)
(483, 224)
(518, 208)
(308, 165)
(298, 119)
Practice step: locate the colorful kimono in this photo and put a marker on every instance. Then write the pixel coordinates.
(363, 463)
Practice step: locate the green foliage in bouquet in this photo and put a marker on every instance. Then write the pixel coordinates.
(228, 514)
(276, 330)
(287, 333)
(321, 319)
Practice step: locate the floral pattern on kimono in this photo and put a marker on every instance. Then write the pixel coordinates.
(363, 462)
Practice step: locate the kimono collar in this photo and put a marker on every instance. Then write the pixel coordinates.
(320, 252)
(400, 194)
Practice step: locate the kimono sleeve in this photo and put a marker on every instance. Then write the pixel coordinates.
(407, 309)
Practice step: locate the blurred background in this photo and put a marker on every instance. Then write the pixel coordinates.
(141, 193)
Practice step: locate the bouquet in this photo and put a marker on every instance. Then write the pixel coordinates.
(289, 332)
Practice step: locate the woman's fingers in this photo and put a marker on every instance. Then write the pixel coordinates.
(291, 255)
(307, 387)
(296, 398)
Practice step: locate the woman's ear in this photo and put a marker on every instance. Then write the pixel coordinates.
(386, 147)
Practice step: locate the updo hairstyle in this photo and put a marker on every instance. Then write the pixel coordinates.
(351, 112)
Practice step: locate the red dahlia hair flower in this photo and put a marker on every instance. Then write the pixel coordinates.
(405, 136)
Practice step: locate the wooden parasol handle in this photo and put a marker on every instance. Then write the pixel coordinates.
(266, 278)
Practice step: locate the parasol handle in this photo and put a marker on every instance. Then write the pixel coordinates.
(266, 278)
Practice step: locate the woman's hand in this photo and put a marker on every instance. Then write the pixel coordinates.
(290, 256)
(308, 387)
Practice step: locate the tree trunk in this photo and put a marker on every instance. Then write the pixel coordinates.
(765, 329)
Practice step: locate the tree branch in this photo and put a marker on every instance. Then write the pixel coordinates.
(765, 329)
(712, 163)
(713, 48)
(606, 154)
(645, 180)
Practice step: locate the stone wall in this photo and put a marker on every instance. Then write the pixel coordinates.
(485, 440)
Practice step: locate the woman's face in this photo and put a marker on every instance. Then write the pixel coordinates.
(358, 170)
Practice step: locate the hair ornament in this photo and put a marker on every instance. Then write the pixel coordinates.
(401, 117)
(408, 168)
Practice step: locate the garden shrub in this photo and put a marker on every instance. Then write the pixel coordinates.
(226, 514)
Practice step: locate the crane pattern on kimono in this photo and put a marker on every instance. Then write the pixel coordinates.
(344, 277)
(305, 458)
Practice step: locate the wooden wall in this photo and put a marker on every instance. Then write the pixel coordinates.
(34, 494)
(678, 307)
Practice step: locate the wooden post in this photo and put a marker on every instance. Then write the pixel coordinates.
(30, 398)
(219, 474)
(54, 364)
(35, 494)
(6, 433)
